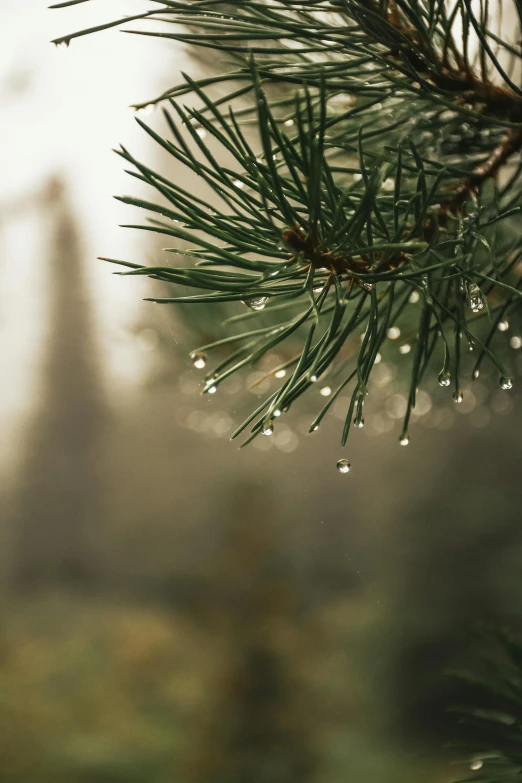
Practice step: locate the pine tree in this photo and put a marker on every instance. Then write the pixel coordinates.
(386, 172)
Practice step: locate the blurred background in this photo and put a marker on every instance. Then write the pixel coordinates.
(173, 609)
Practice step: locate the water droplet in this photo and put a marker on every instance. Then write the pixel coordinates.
(357, 177)
(475, 298)
(404, 439)
(314, 429)
(477, 764)
(475, 374)
(444, 379)
(277, 413)
(503, 326)
(201, 133)
(313, 378)
(238, 183)
(343, 466)
(378, 358)
(516, 343)
(458, 396)
(280, 373)
(393, 332)
(268, 427)
(506, 383)
(414, 297)
(359, 423)
(326, 391)
(211, 389)
(388, 184)
(199, 359)
(258, 303)
(289, 123)
(63, 44)
(406, 348)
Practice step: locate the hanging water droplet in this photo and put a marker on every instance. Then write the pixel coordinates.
(313, 378)
(343, 466)
(414, 297)
(280, 373)
(211, 389)
(268, 427)
(63, 44)
(258, 303)
(238, 183)
(444, 379)
(475, 298)
(506, 383)
(503, 326)
(277, 413)
(289, 123)
(477, 764)
(201, 133)
(378, 358)
(516, 343)
(475, 374)
(471, 347)
(406, 348)
(199, 359)
(358, 422)
(393, 332)
(388, 184)
(314, 429)
(404, 439)
(458, 396)
(326, 391)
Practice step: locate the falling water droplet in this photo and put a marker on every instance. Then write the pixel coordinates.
(444, 379)
(458, 396)
(343, 466)
(258, 303)
(326, 391)
(506, 383)
(394, 332)
(404, 439)
(475, 298)
(199, 359)
(268, 427)
(503, 326)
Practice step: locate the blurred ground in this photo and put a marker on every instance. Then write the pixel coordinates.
(172, 608)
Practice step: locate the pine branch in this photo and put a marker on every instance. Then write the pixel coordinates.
(364, 187)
